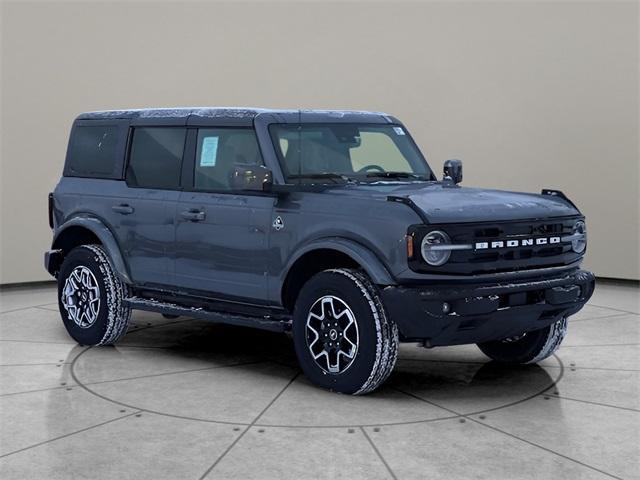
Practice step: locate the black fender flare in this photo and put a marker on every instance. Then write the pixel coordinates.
(106, 237)
(372, 265)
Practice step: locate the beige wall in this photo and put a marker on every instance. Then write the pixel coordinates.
(529, 95)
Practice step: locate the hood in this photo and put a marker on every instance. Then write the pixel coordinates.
(446, 204)
(442, 203)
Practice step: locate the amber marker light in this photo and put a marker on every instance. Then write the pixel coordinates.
(409, 239)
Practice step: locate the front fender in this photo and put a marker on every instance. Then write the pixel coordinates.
(106, 237)
(371, 264)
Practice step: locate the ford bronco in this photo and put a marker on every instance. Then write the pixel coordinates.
(327, 224)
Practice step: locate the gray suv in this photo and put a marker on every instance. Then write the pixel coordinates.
(327, 224)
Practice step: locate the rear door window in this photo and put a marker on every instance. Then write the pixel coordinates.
(156, 155)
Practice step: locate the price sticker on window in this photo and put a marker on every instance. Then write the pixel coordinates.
(209, 152)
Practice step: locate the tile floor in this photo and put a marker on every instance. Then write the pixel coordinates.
(186, 399)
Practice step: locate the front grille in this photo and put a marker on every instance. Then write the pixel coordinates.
(473, 262)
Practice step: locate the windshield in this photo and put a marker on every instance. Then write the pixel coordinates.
(360, 152)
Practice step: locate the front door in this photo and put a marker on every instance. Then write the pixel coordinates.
(222, 234)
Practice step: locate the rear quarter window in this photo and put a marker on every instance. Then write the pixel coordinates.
(96, 150)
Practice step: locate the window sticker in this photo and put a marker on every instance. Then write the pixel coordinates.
(209, 152)
(398, 130)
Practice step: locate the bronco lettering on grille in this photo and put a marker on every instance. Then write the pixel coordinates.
(524, 242)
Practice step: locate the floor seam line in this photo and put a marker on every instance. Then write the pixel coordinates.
(614, 309)
(36, 341)
(417, 397)
(248, 427)
(544, 448)
(555, 395)
(33, 364)
(597, 368)
(44, 307)
(133, 407)
(400, 360)
(69, 434)
(375, 449)
(59, 387)
(122, 379)
(24, 308)
(469, 416)
(227, 450)
(615, 315)
(152, 375)
(526, 399)
(126, 405)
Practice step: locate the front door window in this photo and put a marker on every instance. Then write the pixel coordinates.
(218, 151)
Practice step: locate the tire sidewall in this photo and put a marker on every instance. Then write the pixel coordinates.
(346, 289)
(94, 334)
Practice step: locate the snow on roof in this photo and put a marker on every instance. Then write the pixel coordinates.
(212, 112)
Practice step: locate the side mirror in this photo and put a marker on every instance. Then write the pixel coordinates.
(251, 177)
(453, 171)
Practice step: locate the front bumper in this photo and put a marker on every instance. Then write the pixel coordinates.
(483, 312)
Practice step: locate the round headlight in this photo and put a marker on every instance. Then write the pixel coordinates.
(580, 242)
(432, 248)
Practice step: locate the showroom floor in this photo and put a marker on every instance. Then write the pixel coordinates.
(184, 399)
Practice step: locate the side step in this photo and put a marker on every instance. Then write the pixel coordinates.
(263, 323)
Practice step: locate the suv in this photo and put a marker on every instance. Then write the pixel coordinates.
(328, 224)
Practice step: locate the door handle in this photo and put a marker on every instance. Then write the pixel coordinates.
(124, 209)
(193, 215)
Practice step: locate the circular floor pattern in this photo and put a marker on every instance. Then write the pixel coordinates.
(214, 373)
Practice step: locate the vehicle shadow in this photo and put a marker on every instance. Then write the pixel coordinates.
(202, 345)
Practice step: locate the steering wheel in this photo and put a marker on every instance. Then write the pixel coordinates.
(371, 167)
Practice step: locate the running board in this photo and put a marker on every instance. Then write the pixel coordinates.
(263, 323)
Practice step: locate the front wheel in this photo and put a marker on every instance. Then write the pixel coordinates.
(530, 347)
(342, 336)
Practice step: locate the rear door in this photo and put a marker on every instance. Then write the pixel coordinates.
(145, 219)
(222, 234)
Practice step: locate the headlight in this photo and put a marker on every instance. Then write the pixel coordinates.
(579, 242)
(435, 248)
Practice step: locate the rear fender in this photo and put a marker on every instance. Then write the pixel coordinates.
(102, 232)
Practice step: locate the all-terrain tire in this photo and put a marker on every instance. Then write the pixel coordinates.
(111, 320)
(531, 348)
(377, 348)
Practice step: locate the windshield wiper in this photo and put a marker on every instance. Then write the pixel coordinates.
(396, 175)
(322, 176)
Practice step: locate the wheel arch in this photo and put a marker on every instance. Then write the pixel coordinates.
(329, 253)
(85, 229)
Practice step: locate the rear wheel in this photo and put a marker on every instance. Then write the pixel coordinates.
(91, 298)
(530, 347)
(342, 336)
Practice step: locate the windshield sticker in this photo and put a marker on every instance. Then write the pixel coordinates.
(209, 152)
(398, 130)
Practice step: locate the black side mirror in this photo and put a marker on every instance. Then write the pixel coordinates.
(453, 171)
(251, 177)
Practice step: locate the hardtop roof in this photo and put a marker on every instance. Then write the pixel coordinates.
(224, 113)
